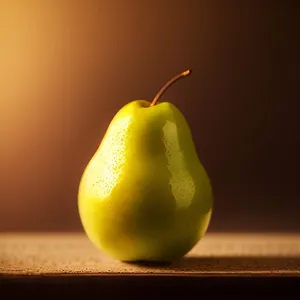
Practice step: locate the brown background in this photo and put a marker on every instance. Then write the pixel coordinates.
(66, 67)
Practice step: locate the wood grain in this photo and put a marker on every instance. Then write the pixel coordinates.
(217, 254)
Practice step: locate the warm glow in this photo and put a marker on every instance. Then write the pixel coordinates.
(47, 53)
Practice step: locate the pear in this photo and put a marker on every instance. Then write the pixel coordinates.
(145, 195)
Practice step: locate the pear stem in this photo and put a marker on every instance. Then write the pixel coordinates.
(168, 84)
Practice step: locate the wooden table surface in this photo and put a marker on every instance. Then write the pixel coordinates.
(219, 258)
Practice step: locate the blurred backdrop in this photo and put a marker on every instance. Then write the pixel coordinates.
(66, 67)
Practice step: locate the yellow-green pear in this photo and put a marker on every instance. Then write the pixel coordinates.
(145, 195)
